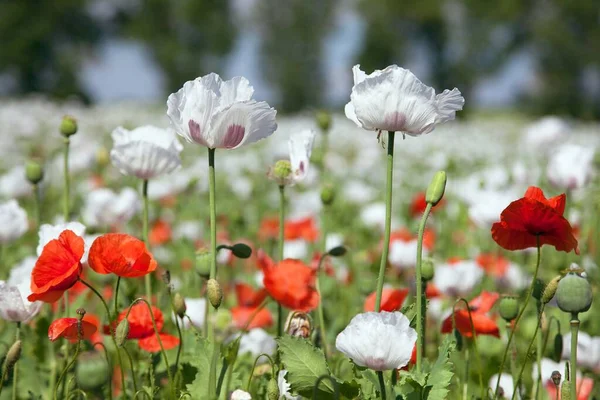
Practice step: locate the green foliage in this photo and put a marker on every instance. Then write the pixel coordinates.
(201, 361)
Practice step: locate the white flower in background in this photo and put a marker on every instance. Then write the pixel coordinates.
(373, 216)
(145, 152)
(334, 239)
(395, 100)
(297, 249)
(459, 278)
(588, 350)
(257, 341)
(357, 191)
(514, 278)
(195, 310)
(14, 184)
(239, 394)
(284, 386)
(486, 206)
(403, 254)
(220, 114)
(300, 146)
(545, 132)
(169, 185)
(367, 340)
(48, 232)
(105, 208)
(190, 230)
(13, 221)
(506, 384)
(549, 366)
(571, 166)
(14, 305)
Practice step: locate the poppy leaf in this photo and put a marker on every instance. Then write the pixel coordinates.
(441, 371)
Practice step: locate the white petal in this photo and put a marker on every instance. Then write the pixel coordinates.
(13, 221)
(235, 90)
(300, 146)
(241, 124)
(351, 114)
(448, 103)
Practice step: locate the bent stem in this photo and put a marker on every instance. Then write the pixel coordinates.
(147, 278)
(336, 390)
(16, 366)
(388, 219)
(254, 366)
(322, 329)
(280, 252)
(512, 332)
(212, 376)
(574, 333)
(67, 367)
(421, 304)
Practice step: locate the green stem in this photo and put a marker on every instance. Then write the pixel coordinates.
(539, 352)
(466, 381)
(382, 385)
(38, 206)
(180, 342)
(512, 333)
(322, 329)
(421, 304)
(117, 293)
(574, 333)
(212, 375)
(474, 342)
(135, 389)
(67, 367)
(280, 252)
(254, 366)
(147, 278)
(67, 189)
(513, 355)
(16, 366)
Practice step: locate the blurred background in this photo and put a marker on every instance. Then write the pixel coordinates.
(537, 56)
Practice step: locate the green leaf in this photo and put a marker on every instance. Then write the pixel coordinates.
(201, 361)
(305, 364)
(411, 385)
(441, 372)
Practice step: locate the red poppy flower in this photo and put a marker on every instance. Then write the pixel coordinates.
(160, 233)
(57, 268)
(248, 302)
(532, 217)
(304, 228)
(391, 299)
(483, 324)
(247, 296)
(584, 388)
(418, 205)
(122, 255)
(290, 283)
(68, 328)
(94, 320)
(152, 345)
(493, 264)
(269, 229)
(404, 235)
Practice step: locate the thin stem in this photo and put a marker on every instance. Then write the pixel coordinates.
(147, 278)
(421, 304)
(38, 205)
(513, 354)
(382, 385)
(336, 391)
(512, 333)
(117, 293)
(322, 329)
(179, 348)
(16, 366)
(66, 208)
(67, 367)
(574, 332)
(474, 334)
(212, 375)
(539, 352)
(135, 389)
(388, 219)
(254, 366)
(280, 252)
(466, 381)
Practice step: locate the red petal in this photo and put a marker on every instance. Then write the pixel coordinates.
(152, 345)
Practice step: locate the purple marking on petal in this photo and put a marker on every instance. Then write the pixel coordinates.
(301, 166)
(233, 136)
(196, 132)
(395, 121)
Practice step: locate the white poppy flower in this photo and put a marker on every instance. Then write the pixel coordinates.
(297, 249)
(545, 132)
(14, 184)
(395, 100)
(571, 166)
(145, 152)
(220, 114)
(506, 383)
(588, 350)
(300, 145)
(457, 279)
(48, 232)
(13, 221)
(366, 340)
(14, 305)
(103, 207)
(239, 394)
(195, 310)
(403, 254)
(257, 341)
(284, 386)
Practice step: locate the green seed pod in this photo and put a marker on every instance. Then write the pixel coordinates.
(34, 172)
(215, 293)
(557, 347)
(509, 308)
(550, 290)
(323, 120)
(574, 293)
(327, 195)
(565, 391)
(281, 172)
(436, 188)
(427, 269)
(179, 305)
(13, 355)
(102, 157)
(241, 250)
(122, 332)
(272, 389)
(203, 260)
(68, 126)
(91, 371)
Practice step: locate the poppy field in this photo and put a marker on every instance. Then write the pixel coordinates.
(210, 248)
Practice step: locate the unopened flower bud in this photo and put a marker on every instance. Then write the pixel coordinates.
(68, 126)
(299, 324)
(122, 332)
(323, 120)
(91, 370)
(436, 188)
(509, 308)
(550, 290)
(556, 377)
(241, 250)
(337, 251)
(557, 348)
(80, 313)
(34, 172)
(179, 305)
(102, 157)
(203, 262)
(281, 172)
(327, 195)
(13, 355)
(574, 293)
(538, 289)
(565, 391)
(272, 389)
(215, 293)
(427, 269)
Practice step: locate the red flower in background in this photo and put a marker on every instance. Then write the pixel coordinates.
(493, 264)
(69, 329)
(269, 229)
(585, 386)
(482, 323)
(391, 299)
(248, 302)
(122, 255)
(58, 267)
(418, 205)
(160, 233)
(290, 283)
(304, 228)
(533, 216)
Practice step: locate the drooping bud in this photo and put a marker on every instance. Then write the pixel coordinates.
(327, 195)
(13, 355)
(241, 250)
(272, 389)
(337, 251)
(550, 290)
(68, 126)
(299, 324)
(323, 120)
(179, 305)
(34, 172)
(427, 269)
(509, 308)
(436, 188)
(122, 332)
(556, 377)
(558, 347)
(203, 262)
(215, 293)
(281, 172)
(91, 370)
(574, 293)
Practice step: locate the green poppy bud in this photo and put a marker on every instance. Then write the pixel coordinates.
(565, 391)
(34, 172)
(538, 289)
(122, 332)
(509, 308)
(281, 172)
(337, 251)
(68, 126)
(323, 120)
(556, 377)
(215, 293)
(427, 269)
(557, 348)
(13, 355)
(550, 290)
(241, 250)
(436, 188)
(574, 293)
(272, 389)
(327, 195)
(179, 305)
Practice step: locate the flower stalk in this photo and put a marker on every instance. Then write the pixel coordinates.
(147, 278)
(574, 332)
(322, 329)
(421, 303)
(212, 376)
(280, 252)
(16, 366)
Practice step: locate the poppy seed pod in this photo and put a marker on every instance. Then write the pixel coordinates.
(91, 371)
(509, 308)
(436, 188)
(179, 305)
(556, 377)
(323, 120)
(68, 126)
(281, 172)
(122, 332)
(215, 293)
(427, 269)
(550, 290)
(574, 293)
(34, 172)
(13, 355)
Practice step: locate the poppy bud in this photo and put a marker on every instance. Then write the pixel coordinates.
(556, 377)
(574, 293)
(34, 172)
(102, 157)
(215, 293)
(509, 308)
(323, 120)
(565, 391)
(327, 195)
(281, 172)
(436, 188)
(427, 269)
(179, 305)
(91, 370)
(337, 251)
(13, 355)
(80, 313)
(272, 389)
(203, 262)
(68, 126)
(550, 289)
(557, 348)
(241, 250)
(299, 324)
(122, 332)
